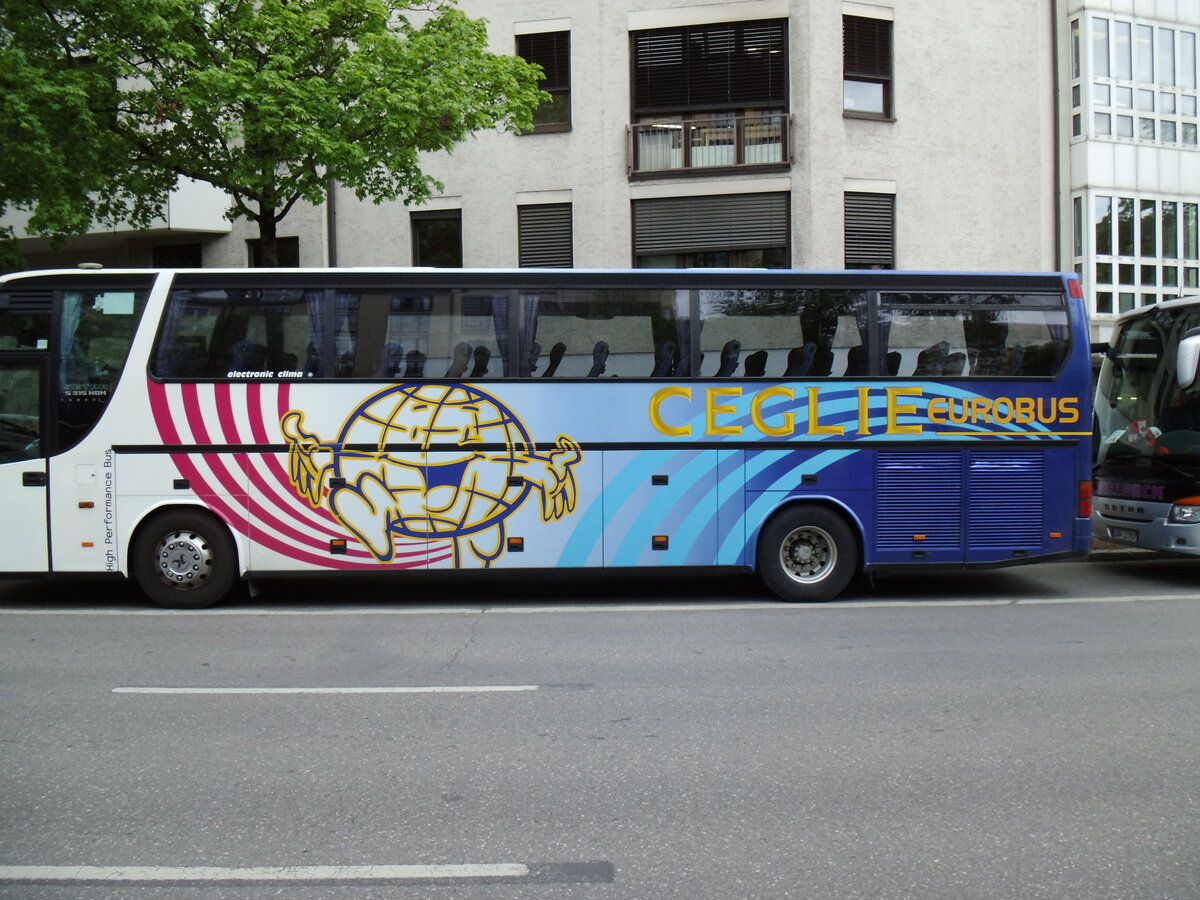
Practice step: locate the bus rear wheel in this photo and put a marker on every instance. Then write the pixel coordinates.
(184, 559)
(807, 554)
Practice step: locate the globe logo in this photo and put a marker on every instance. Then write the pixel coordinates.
(430, 461)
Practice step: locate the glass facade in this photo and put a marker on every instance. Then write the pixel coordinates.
(1134, 225)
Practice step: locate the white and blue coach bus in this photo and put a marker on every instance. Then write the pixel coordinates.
(189, 429)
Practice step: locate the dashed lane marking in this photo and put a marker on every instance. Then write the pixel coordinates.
(472, 873)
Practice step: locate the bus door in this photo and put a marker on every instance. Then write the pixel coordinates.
(23, 474)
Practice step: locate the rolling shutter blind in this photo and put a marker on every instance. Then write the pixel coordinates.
(729, 64)
(866, 47)
(870, 231)
(544, 235)
(724, 222)
(551, 50)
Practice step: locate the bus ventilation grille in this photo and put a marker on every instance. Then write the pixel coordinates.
(956, 499)
(920, 494)
(1005, 499)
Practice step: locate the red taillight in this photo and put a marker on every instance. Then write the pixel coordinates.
(1074, 288)
(1085, 499)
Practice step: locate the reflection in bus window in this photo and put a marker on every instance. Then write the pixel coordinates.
(606, 333)
(242, 334)
(956, 335)
(778, 333)
(20, 410)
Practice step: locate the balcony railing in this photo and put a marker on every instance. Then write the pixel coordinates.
(717, 142)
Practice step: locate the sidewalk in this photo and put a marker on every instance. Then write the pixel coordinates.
(1108, 550)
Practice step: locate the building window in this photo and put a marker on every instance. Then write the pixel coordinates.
(1146, 243)
(437, 239)
(544, 235)
(870, 222)
(177, 256)
(708, 96)
(712, 231)
(867, 67)
(552, 51)
(1138, 72)
(288, 249)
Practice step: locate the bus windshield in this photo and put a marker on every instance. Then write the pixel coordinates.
(1141, 412)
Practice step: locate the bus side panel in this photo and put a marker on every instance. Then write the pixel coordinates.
(731, 516)
(836, 477)
(660, 507)
(557, 524)
(290, 534)
(145, 482)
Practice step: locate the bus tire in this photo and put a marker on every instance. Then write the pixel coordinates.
(807, 554)
(184, 559)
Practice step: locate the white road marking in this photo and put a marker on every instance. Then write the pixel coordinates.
(260, 873)
(427, 689)
(779, 606)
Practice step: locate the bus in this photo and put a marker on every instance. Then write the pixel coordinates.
(192, 429)
(1147, 475)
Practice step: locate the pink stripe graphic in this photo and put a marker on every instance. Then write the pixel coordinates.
(241, 510)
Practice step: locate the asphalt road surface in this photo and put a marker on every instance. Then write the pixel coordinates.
(1023, 733)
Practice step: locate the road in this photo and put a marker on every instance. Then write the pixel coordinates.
(1020, 733)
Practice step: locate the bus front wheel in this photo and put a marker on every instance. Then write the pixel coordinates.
(184, 559)
(807, 554)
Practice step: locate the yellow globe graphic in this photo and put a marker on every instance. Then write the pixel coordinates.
(445, 453)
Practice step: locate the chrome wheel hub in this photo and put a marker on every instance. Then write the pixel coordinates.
(184, 559)
(808, 554)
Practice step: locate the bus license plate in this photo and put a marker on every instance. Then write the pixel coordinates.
(1129, 535)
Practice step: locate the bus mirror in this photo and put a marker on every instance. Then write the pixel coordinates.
(1187, 359)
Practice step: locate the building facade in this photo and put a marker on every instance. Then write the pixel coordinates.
(1135, 160)
(827, 134)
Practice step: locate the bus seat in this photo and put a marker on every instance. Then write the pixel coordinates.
(800, 359)
(179, 360)
(956, 363)
(458, 365)
(482, 357)
(729, 358)
(247, 355)
(556, 354)
(756, 364)
(312, 361)
(392, 355)
(414, 364)
(1016, 359)
(856, 360)
(664, 360)
(599, 358)
(531, 360)
(932, 360)
(893, 362)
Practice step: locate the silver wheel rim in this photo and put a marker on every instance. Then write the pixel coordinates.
(183, 560)
(808, 554)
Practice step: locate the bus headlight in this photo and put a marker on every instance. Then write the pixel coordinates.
(1185, 512)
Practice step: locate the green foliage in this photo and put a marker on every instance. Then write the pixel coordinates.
(10, 256)
(105, 103)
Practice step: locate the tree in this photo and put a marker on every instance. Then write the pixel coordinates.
(105, 104)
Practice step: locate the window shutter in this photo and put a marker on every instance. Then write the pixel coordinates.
(696, 224)
(729, 64)
(866, 47)
(870, 231)
(552, 51)
(544, 236)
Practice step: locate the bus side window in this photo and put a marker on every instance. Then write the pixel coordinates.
(236, 333)
(603, 333)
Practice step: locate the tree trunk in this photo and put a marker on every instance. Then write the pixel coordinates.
(268, 240)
